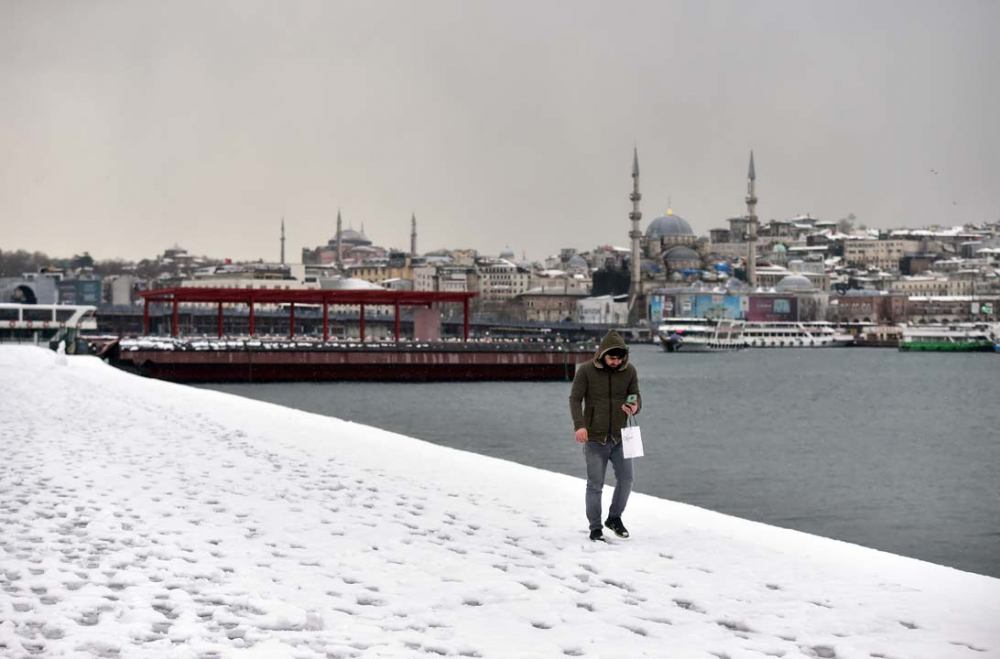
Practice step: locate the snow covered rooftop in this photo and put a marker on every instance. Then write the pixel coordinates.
(148, 519)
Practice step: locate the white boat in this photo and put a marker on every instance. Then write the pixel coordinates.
(795, 335)
(701, 335)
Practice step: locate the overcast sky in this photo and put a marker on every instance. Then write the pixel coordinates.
(127, 127)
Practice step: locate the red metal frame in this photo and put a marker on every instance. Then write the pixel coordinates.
(221, 296)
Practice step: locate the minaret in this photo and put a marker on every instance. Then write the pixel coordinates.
(751, 226)
(413, 235)
(282, 241)
(635, 287)
(340, 249)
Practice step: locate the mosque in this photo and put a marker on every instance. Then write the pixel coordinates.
(670, 247)
(347, 246)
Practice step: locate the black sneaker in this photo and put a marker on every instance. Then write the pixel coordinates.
(597, 535)
(615, 524)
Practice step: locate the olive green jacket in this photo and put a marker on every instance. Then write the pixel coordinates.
(598, 393)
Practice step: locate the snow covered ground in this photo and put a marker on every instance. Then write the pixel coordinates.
(145, 519)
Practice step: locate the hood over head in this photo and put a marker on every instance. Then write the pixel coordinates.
(611, 341)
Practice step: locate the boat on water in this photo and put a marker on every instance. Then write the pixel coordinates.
(817, 334)
(700, 335)
(703, 335)
(950, 338)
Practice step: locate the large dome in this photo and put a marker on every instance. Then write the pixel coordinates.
(793, 283)
(350, 237)
(668, 225)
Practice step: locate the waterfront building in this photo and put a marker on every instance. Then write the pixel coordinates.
(603, 310)
(549, 305)
(945, 309)
(878, 307)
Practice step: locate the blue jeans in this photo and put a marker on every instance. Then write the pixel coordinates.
(598, 455)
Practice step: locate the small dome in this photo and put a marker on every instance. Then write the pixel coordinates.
(507, 254)
(668, 225)
(780, 249)
(683, 254)
(578, 262)
(793, 283)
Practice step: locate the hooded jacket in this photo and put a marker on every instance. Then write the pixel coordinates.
(598, 393)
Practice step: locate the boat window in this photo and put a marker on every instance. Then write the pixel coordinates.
(38, 315)
(10, 314)
(62, 315)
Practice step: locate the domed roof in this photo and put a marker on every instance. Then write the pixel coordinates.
(668, 225)
(350, 284)
(578, 262)
(507, 254)
(795, 283)
(683, 254)
(780, 249)
(350, 237)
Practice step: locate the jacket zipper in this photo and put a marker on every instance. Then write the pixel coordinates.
(611, 407)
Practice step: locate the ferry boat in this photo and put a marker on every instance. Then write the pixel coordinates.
(795, 335)
(700, 335)
(45, 323)
(949, 338)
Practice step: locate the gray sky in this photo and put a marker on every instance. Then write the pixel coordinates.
(126, 127)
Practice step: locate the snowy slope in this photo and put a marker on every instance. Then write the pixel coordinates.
(146, 519)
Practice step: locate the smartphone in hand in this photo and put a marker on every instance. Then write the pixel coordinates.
(631, 399)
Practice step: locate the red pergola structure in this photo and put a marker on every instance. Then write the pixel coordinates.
(250, 297)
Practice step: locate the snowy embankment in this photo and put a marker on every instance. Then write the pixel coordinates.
(147, 519)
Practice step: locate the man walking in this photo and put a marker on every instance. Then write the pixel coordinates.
(605, 393)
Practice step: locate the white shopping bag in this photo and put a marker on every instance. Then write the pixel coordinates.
(631, 440)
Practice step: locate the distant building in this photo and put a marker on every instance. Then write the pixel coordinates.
(550, 305)
(603, 310)
(355, 246)
(881, 254)
(33, 288)
(880, 308)
(500, 281)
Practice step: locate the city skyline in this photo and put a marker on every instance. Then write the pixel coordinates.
(132, 127)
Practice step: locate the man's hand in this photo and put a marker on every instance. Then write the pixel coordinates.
(581, 435)
(630, 409)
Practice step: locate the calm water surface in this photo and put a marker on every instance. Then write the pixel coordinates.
(895, 451)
